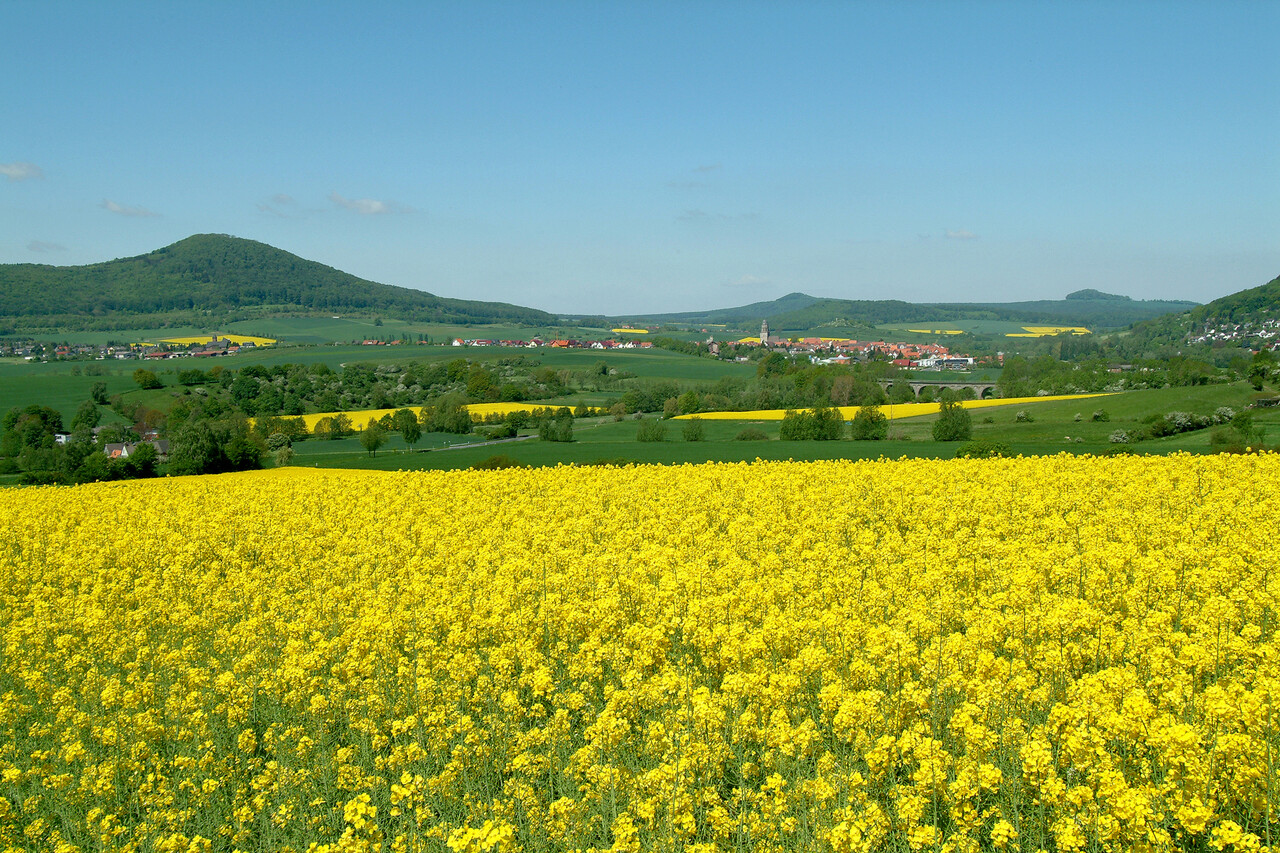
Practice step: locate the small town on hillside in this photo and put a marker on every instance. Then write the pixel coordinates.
(820, 350)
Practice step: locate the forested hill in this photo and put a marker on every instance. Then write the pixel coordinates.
(218, 274)
(1233, 316)
(800, 311)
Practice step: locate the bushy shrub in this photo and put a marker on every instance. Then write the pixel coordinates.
(652, 429)
(495, 462)
(751, 434)
(1119, 437)
(1023, 417)
(1179, 422)
(503, 430)
(869, 424)
(558, 429)
(820, 423)
(693, 429)
(1100, 416)
(982, 449)
(953, 423)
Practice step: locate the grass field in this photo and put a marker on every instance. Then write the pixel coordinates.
(1052, 429)
(24, 384)
(323, 330)
(64, 385)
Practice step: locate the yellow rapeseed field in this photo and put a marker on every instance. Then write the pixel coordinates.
(235, 339)
(1047, 331)
(478, 411)
(896, 411)
(1057, 654)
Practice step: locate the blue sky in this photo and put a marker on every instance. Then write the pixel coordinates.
(658, 156)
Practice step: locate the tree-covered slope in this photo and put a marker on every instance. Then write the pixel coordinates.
(215, 273)
(1090, 308)
(1082, 308)
(1235, 316)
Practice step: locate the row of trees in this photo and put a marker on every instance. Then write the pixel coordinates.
(869, 424)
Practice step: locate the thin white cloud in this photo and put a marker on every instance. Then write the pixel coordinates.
(961, 234)
(367, 206)
(125, 210)
(694, 185)
(21, 171)
(42, 246)
(281, 205)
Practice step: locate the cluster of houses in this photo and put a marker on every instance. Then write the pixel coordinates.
(1264, 334)
(125, 449)
(564, 343)
(31, 350)
(838, 351)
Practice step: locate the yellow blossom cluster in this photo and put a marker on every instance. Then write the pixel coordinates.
(1058, 654)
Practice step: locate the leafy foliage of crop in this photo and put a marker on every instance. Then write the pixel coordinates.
(1061, 653)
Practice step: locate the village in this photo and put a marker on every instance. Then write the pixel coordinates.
(819, 350)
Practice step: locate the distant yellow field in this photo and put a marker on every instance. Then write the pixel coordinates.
(898, 411)
(480, 410)
(630, 331)
(360, 418)
(1048, 331)
(205, 339)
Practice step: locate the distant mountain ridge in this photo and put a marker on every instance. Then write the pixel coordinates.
(218, 274)
(213, 278)
(801, 311)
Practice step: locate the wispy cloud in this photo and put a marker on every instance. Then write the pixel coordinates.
(21, 171)
(42, 246)
(694, 185)
(961, 234)
(368, 206)
(280, 204)
(125, 210)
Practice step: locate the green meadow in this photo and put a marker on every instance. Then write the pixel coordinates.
(1049, 428)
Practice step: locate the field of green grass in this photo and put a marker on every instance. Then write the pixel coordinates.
(64, 385)
(1052, 429)
(323, 330)
(53, 385)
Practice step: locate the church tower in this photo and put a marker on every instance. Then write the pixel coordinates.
(764, 333)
